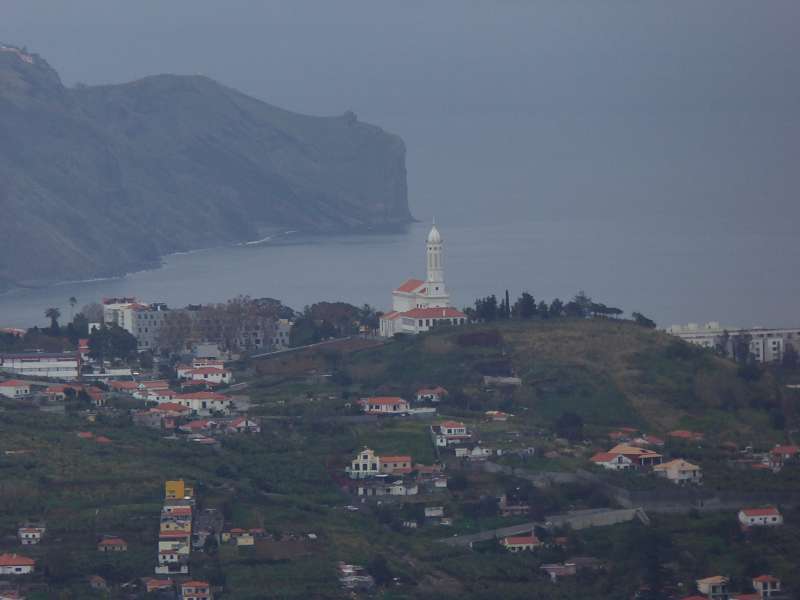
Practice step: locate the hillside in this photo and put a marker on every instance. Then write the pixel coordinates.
(612, 373)
(96, 181)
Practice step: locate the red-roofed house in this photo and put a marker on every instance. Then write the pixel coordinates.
(204, 403)
(196, 590)
(611, 461)
(395, 465)
(448, 433)
(434, 394)
(715, 588)
(13, 388)
(243, 425)
(212, 374)
(519, 543)
(16, 564)
(760, 517)
(780, 455)
(152, 584)
(385, 405)
(767, 586)
(683, 434)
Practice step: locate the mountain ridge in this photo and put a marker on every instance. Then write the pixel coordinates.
(101, 180)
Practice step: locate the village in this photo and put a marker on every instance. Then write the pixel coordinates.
(260, 456)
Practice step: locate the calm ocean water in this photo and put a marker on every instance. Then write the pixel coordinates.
(672, 276)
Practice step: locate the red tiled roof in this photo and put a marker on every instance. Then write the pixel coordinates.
(434, 313)
(85, 435)
(101, 439)
(410, 285)
(174, 534)
(124, 385)
(522, 539)
(156, 584)
(452, 425)
(14, 383)
(202, 396)
(786, 450)
(194, 584)
(386, 400)
(112, 542)
(770, 511)
(604, 457)
(388, 459)
(684, 434)
(766, 579)
(16, 560)
(436, 390)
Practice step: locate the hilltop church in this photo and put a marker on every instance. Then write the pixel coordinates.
(419, 305)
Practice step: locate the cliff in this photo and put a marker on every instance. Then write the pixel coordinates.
(97, 181)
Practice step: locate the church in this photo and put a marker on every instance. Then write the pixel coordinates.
(419, 305)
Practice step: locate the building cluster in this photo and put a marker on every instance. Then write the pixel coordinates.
(392, 475)
(717, 587)
(764, 344)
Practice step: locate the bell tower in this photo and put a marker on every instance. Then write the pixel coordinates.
(436, 291)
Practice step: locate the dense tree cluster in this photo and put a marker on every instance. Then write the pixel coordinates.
(526, 307)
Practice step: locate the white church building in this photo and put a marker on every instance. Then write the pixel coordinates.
(419, 305)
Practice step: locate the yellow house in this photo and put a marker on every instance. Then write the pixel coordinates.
(176, 525)
(177, 489)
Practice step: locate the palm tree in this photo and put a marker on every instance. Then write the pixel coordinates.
(72, 302)
(53, 314)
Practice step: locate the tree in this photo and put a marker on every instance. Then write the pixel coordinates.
(93, 312)
(53, 314)
(176, 329)
(741, 347)
(112, 342)
(556, 309)
(570, 426)
(543, 310)
(524, 307)
(486, 309)
(643, 321)
(378, 567)
(72, 302)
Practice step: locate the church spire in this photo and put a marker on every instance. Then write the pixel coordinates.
(435, 263)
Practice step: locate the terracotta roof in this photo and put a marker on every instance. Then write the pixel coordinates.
(410, 285)
(436, 390)
(154, 584)
(678, 463)
(201, 396)
(174, 534)
(124, 385)
(101, 439)
(522, 539)
(384, 400)
(604, 457)
(195, 584)
(85, 435)
(786, 450)
(16, 560)
(14, 383)
(452, 425)
(766, 579)
(112, 542)
(769, 511)
(388, 459)
(686, 435)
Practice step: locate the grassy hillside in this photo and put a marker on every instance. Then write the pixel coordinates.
(612, 373)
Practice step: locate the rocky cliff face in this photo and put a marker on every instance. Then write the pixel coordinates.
(96, 181)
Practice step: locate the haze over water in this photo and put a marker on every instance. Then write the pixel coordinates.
(644, 152)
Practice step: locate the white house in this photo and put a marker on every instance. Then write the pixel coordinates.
(520, 543)
(679, 471)
(29, 536)
(13, 388)
(64, 365)
(419, 305)
(16, 564)
(385, 405)
(204, 403)
(449, 432)
(435, 394)
(760, 517)
(208, 374)
(612, 461)
(716, 587)
(196, 590)
(767, 586)
(365, 464)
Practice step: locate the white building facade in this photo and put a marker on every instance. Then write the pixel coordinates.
(418, 305)
(765, 344)
(65, 365)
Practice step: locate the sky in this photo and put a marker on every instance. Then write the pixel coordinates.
(683, 110)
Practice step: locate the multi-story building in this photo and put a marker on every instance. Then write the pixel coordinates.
(64, 365)
(765, 344)
(142, 321)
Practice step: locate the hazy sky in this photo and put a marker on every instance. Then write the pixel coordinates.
(682, 110)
